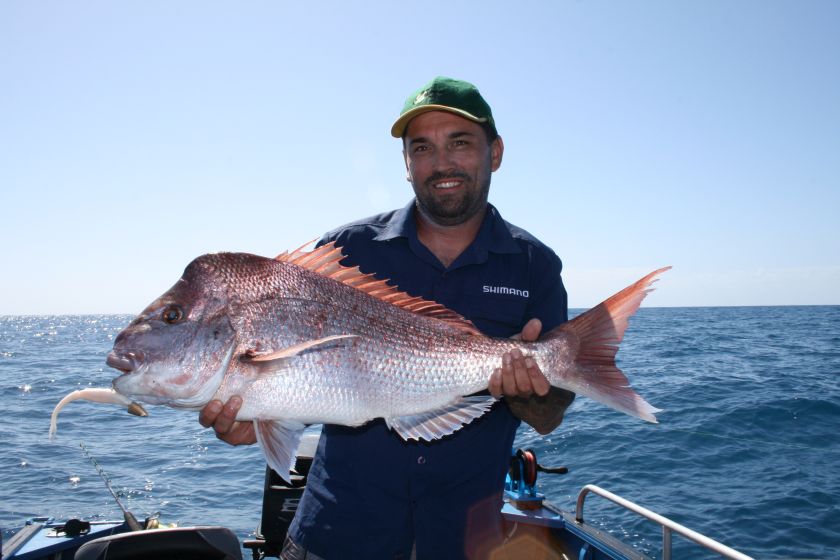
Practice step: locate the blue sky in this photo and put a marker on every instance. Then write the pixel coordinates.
(135, 136)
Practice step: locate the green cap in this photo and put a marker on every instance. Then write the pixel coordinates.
(445, 94)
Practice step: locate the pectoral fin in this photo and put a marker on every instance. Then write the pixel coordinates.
(441, 422)
(279, 440)
(295, 349)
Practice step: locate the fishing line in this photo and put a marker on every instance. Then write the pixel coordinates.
(130, 520)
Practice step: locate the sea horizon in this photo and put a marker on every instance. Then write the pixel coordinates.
(571, 309)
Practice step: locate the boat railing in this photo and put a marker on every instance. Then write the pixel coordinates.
(668, 526)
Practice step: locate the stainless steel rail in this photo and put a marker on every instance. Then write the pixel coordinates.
(667, 525)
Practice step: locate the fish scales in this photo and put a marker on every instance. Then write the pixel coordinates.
(396, 362)
(305, 340)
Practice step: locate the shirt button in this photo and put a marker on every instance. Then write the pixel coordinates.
(421, 460)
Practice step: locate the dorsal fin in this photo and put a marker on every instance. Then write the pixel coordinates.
(324, 260)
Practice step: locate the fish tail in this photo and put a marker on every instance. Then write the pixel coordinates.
(596, 334)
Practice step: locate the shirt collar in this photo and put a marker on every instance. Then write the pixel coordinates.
(400, 224)
(493, 236)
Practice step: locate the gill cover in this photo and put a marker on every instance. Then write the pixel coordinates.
(177, 351)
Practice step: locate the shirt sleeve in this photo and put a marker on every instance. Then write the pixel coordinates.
(549, 301)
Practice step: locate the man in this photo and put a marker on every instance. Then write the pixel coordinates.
(370, 494)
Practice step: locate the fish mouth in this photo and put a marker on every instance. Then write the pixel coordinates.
(126, 362)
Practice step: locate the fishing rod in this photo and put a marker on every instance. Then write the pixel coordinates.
(130, 520)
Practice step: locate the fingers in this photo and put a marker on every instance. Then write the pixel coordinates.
(495, 383)
(516, 382)
(240, 433)
(222, 418)
(209, 413)
(227, 417)
(519, 376)
(539, 382)
(531, 331)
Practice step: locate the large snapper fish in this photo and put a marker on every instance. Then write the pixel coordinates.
(304, 340)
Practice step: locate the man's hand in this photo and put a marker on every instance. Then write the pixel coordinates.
(222, 418)
(519, 375)
(528, 393)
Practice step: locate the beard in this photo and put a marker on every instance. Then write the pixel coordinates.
(452, 209)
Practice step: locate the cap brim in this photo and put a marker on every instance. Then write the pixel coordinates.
(398, 129)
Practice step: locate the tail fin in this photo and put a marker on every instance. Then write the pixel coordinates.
(598, 332)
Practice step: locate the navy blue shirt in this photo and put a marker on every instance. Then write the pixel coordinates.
(372, 495)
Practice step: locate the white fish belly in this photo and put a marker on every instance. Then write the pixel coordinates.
(351, 386)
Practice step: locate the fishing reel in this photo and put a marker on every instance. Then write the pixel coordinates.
(71, 528)
(521, 480)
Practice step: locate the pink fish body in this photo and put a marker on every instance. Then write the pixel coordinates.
(305, 340)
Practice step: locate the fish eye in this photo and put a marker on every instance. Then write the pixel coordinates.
(172, 314)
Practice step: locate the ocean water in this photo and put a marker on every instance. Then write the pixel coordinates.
(747, 450)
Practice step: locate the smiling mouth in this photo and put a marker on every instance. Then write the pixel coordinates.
(446, 181)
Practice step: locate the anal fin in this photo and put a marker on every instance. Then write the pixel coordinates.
(441, 422)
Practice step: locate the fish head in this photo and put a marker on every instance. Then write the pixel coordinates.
(177, 351)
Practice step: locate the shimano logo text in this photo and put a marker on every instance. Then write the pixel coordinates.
(504, 290)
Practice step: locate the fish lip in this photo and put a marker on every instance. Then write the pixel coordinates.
(126, 362)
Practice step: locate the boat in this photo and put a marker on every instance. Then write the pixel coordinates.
(536, 528)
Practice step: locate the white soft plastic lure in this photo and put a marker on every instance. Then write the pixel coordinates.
(107, 396)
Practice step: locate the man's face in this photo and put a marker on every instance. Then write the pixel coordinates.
(449, 163)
